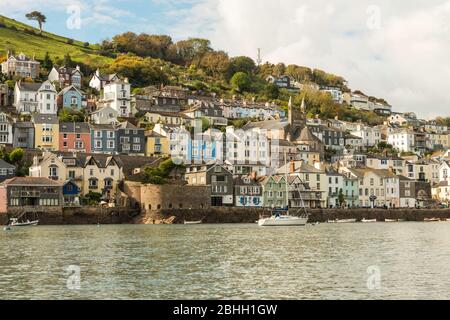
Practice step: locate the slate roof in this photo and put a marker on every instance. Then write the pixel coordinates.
(74, 127)
(4, 164)
(29, 86)
(31, 181)
(45, 119)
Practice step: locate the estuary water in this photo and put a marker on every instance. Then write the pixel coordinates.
(328, 261)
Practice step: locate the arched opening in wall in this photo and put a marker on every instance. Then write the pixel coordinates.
(180, 206)
(159, 207)
(201, 205)
(170, 206)
(149, 207)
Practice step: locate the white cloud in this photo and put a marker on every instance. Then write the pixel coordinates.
(398, 52)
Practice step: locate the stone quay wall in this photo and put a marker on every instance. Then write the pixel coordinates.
(77, 215)
(250, 215)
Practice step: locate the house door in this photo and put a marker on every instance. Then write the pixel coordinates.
(216, 201)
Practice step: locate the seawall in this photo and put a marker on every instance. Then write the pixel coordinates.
(250, 215)
(78, 215)
(94, 215)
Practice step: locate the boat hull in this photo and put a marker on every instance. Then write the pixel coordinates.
(283, 221)
(192, 222)
(342, 221)
(24, 224)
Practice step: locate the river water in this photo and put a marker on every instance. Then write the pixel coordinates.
(328, 261)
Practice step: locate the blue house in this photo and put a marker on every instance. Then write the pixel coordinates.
(71, 193)
(103, 139)
(70, 97)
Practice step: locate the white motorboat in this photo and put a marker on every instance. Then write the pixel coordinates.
(368, 220)
(193, 222)
(390, 220)
(14, 222)
(283, 221)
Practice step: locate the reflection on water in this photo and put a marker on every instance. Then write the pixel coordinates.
(354, 261)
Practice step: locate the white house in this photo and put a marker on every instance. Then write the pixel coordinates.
(47, 99)
(6, 129)
(117, 95)
(99, 81)
(336, 93)
(402, 140)
(26, 96)
(105, 115)
(371, 136)
(335, 185)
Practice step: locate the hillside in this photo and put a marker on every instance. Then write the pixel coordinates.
(19, 37)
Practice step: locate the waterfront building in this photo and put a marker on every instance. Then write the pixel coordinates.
(335, 187)
(248, 191)
(274, 191)
(23, 192)
(413, 193)
(98, 173)
(130, 139)
(71, 193)
(217, 177)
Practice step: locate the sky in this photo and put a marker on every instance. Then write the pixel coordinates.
(394, 50)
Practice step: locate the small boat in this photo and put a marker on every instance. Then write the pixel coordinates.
(391, 220)
(368, 220)
(14, 222)
(346, 221)
(431, 220)
(193, 222)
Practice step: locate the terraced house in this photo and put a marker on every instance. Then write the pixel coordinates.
(103, 139)
(74, 137)
(70, 97)
(6, 129)
(66, 76)
(130, 139)
(46, 131)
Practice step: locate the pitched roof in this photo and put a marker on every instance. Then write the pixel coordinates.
(31, 181)
(45, 119)
(28, 86)
(4, 164)
(70, 88)
(74, 127)
(24, 124)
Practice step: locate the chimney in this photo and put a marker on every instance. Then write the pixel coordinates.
(78, 68)
(291, 167)
(97, 72)
(125, 80)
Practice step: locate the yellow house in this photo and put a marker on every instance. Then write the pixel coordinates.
(156, 144)
(46, 131)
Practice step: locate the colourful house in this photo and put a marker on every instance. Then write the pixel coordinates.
(70, 97)
(156, 144)
(74, 137)
(46, 131)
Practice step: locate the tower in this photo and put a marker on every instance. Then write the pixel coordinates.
(296, 118)
(258, 59)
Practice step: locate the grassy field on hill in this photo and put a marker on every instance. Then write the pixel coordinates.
(20, 37)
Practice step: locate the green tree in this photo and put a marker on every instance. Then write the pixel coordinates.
(271, 91)
(240, 81)
(16, 156)
(240, 64)
(37, 16)
(67, 61)
(71, 115)
(341, 198)
(47, 63)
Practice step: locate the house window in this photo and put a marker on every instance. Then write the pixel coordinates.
(78, 144)
(136, 147)
(98, 144)
(110, 144)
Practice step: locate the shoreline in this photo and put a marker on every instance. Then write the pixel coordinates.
(215, 215)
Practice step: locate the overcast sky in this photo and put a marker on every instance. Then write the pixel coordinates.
(396, 50)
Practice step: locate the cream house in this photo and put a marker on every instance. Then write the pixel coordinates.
(96, 173)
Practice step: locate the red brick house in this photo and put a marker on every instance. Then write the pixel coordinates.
(74, 137)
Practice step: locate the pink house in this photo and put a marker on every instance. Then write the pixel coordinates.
(3, 200)
(74, 137)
